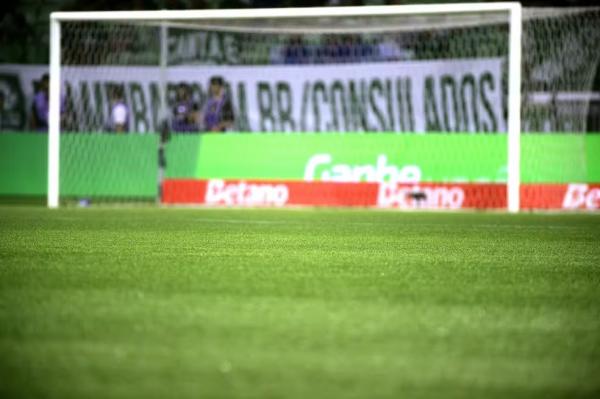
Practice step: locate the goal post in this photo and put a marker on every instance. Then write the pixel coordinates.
(514, 108)
(289, 20)
(54, 115)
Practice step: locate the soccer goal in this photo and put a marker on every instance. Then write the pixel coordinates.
(406, 107)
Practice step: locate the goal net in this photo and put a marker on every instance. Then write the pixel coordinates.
(400, 106)
(560, 108)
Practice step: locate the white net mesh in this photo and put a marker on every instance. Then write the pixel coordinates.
(560, 66)
(248, 52)
(408, 74)
(559, 56)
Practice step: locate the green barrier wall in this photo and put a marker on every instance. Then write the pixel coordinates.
(127, 166)
(545, 158)
(23, 164)
(90, 165)
(481, 157)
(560, 158)
(109, 165)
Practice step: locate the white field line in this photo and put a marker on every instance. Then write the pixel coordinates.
(241, 221)
(409, 225)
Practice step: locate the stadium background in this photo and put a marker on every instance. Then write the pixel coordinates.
(133, 301)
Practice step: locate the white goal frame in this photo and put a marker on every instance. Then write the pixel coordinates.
(513, 9)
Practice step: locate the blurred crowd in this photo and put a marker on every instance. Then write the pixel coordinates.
(215, 116)
(24, 23)
(186, 115)
(342, 49)
(131, 45)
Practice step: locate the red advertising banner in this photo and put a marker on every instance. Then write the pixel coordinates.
(268, 193)
(560, 196)
(261, 193)
(281, 193)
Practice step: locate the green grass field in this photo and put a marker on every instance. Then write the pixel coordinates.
(157, 303)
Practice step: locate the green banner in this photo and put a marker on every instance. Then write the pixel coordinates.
(560, 158)
(545, 158)
(94, 165)
(99, 165)
(106, 165)
(354, 157)
(23, 164)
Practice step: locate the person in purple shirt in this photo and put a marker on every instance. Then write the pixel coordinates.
(185, 111)
(41, 105)
(218, 111)
(3, 123)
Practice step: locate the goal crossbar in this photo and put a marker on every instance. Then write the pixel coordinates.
(304, 12)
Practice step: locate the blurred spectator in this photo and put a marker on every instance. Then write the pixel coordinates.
(119, 112)
(346, 48)
(185, 112)
(2, 112)
(332, 49)
(296, 52)
(390, 49)
(277, 53)
(68, 118)
(32, 113)
(366, 51)
(218, 111)
(40, 105)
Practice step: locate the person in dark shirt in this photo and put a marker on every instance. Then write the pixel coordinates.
(2, 116)
(185, 111)
(296, 52)
(218, 111)
(40, 105)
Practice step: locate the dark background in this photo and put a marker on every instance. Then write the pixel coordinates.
(24, 23)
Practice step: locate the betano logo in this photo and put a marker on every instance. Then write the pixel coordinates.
(581, 196)
(245, 194)
(321, 167)
(406, 197)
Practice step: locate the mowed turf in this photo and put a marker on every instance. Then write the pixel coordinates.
(172, 303)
